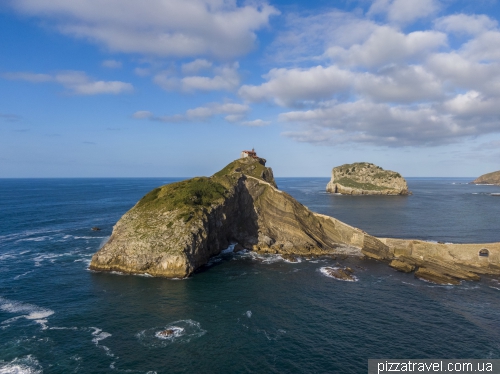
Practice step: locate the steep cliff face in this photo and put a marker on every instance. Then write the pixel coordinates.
(490, 178)
(363, 178)
(176, 228)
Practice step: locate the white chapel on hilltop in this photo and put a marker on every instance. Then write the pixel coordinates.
(251, 153)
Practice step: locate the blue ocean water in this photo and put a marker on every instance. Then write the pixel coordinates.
(242, 313)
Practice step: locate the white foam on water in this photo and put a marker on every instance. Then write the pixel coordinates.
(229, 249)
(248, 313)
(324, 271)
(7, 256)
(50, 257)
(176, 332)
(35, 239)
(263, 258)
(89, 237)
(23, 365)
(184, 331)
(146, 275)
(22, 275)
(99, 335)
(43, 323)
(28, 311)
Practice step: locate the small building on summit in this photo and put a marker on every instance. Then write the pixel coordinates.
(251, 153)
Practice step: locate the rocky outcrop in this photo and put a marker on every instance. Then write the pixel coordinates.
(490, 178)
(343, 274)
(176, 228)
(442, 263)
(363, 178)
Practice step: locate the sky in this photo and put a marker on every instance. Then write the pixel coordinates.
(178, 88)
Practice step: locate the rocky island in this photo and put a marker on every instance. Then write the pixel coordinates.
(490, 178)
(175, 229)
(363, 178)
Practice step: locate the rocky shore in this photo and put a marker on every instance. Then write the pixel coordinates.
(363, 178)
(175, 229)
(490, 178)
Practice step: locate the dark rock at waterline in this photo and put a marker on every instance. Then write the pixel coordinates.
(96, 228)
(344, 274)
(290, 258)
(238, 248)
(166, 333)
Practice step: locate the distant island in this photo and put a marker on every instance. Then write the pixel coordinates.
(490, 178)
(176, 228)
(364, 178)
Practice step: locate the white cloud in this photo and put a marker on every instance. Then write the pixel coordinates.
(142, 72)
(387, 45)
(486, 47)
(112, 64)
(466, 24)
(399, 84)
(223, 78)
(256, 123)
(233, 111)
(142, 114)
(181, 28)
(226, 78)
(458, 72)
(307, 37)
(363, 121)
(383, 85)
(77, 82)
(404, 11)
(195, 66)
(288, 87)
(167, 80)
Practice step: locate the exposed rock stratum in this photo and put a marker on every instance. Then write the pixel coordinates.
(176, 228)
(363, 178)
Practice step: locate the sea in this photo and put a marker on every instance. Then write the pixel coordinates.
(242, 313)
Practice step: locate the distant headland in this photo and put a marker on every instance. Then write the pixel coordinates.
(490, 178)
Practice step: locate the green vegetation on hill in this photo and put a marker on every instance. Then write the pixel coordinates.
(348, 182)
(246, 166)
(192, 193)
(191, 196)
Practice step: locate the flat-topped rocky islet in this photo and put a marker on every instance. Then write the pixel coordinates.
(490, 178)
(364, 178)
(176, 228)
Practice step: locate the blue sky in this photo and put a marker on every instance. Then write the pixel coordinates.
(121, 88)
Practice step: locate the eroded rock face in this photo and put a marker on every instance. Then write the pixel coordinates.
(490, 178)
(363, 178)
(176, 228)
